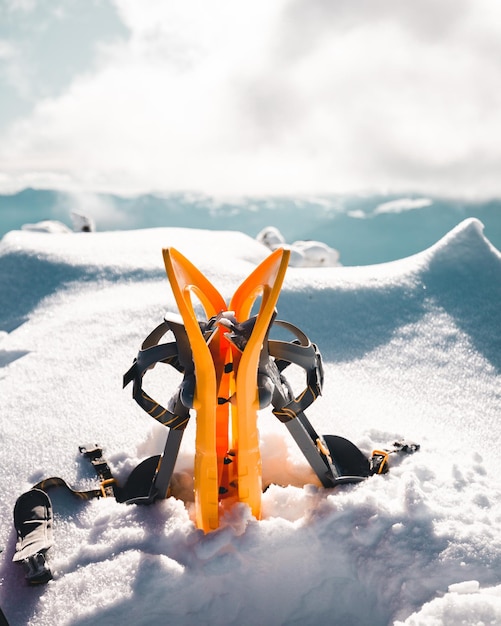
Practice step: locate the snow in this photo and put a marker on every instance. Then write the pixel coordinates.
(411, 349)
(305, 253)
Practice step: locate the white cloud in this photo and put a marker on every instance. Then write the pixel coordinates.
(20, 5)
(92, 206)
(290, 96)
(7, 50)
(401, 205)
(12, 70)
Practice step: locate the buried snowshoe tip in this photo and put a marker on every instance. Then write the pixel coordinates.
(408, 447)
(379, 459)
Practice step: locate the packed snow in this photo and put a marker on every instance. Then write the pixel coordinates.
(411, 348)
(302, 253)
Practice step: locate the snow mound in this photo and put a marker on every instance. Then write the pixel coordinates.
(411, 348)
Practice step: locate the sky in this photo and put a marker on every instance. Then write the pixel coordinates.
(411, 350)
(226, 97)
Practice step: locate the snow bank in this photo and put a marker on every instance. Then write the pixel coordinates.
(411, 348)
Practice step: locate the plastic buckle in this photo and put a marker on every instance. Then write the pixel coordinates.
(91, 451)
(107, 487)
(322, 448)
(379, 461)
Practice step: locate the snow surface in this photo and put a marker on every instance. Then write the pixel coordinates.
(411, 349)
(305, 253)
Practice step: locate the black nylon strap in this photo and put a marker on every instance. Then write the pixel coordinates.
(108, 487)
(305, 354)
(176, 353)
(290, 410)
(55, 481)
(273, 388)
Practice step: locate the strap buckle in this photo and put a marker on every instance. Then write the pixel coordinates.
(107, 487)
(91, 451)
(322, 448)
(95, 454)
(379, 461)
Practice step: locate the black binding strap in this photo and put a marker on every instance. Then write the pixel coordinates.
(301, 352)
(273, 387)
(175, 416)
(176, 353)
(108, 485)
(334, 459)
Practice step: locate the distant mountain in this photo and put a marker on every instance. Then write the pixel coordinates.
(365, 229)
(25, 206)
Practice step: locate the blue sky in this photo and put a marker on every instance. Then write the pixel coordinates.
(44, 45)
(231, 97)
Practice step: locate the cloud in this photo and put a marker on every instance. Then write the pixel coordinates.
(293, 96)
(7, 50)
(401, 205)
(93, 206)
